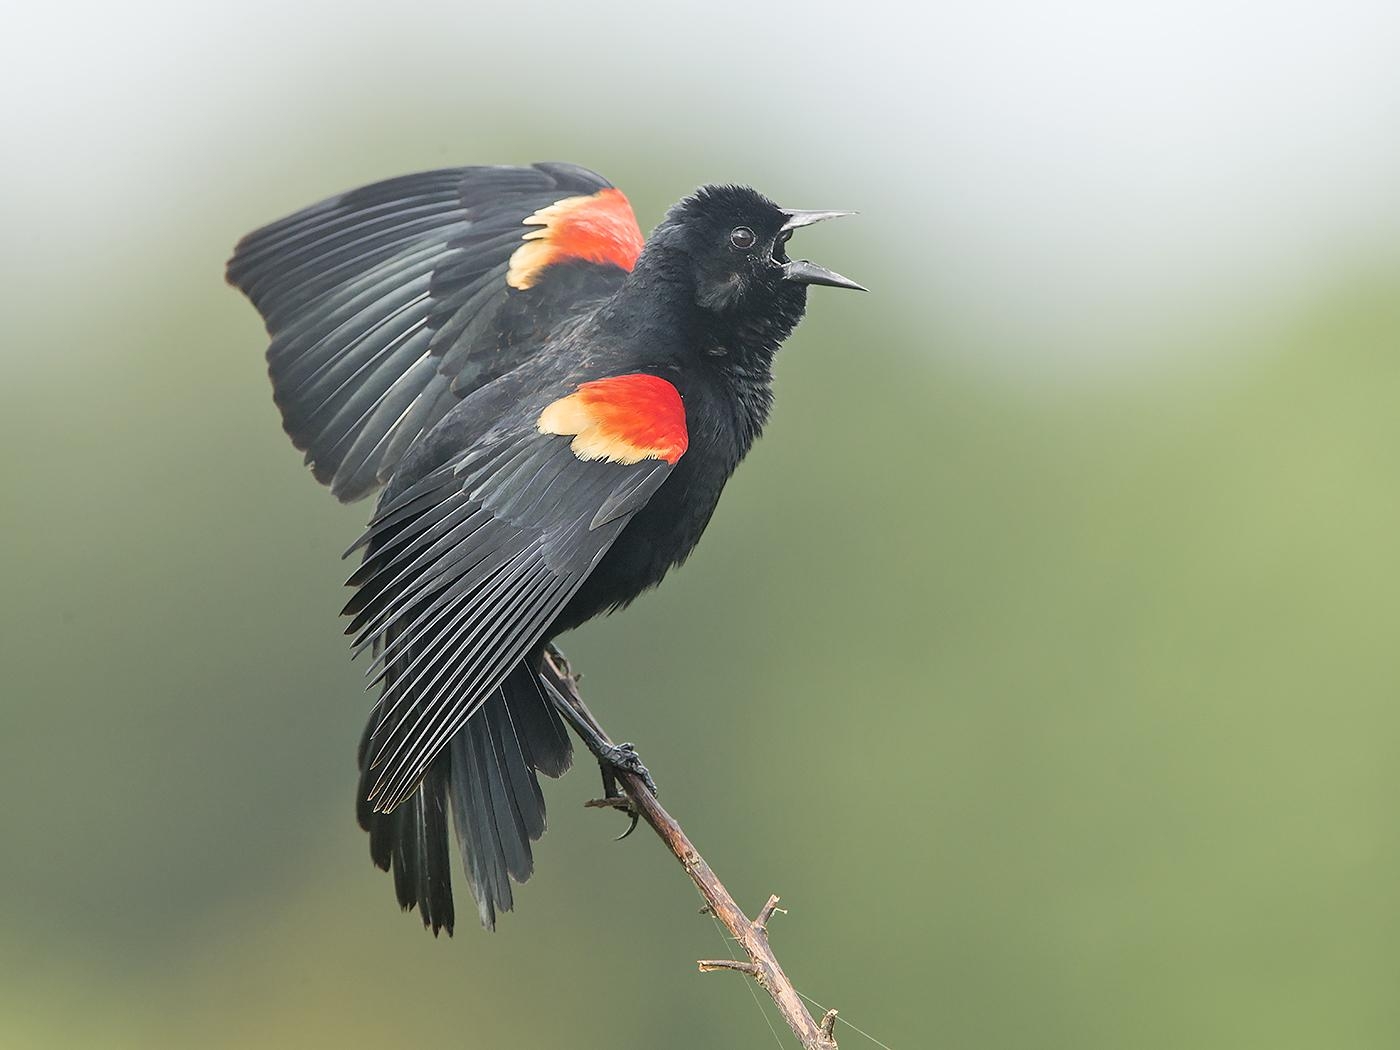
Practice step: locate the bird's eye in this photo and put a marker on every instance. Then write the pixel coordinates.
(742, 238)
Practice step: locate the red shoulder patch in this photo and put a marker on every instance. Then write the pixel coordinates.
(624, 419)
(598, 228)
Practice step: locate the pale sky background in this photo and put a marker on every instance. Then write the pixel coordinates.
(1061, 179)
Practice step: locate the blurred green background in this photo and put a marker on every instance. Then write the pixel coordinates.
(1042, 656)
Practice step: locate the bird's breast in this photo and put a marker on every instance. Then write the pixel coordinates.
(661, 535)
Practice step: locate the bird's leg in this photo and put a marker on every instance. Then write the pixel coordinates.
(612, 758)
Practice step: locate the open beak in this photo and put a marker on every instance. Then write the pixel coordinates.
(804, 272)
(806, 218)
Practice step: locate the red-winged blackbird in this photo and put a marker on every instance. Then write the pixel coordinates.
(554, 406)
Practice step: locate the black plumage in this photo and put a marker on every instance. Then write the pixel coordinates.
(552, 410)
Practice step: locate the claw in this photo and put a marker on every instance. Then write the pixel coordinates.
(622, 804)
(630, 827)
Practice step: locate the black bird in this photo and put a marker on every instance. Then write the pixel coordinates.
(553, 407)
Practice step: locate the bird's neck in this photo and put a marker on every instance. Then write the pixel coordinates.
(738, 353)
(734, 348)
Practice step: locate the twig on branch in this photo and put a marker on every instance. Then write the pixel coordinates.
(828, 1024)
(706, 965)
(752, 935)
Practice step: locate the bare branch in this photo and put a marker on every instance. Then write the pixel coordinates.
(752, 935)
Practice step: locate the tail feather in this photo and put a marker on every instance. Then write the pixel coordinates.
(512, 831)
(483, 855)
(488, 775)
(538, 727)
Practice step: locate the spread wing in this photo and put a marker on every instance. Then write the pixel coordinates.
(467, 567)
(388, 304)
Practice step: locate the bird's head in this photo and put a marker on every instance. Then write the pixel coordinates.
(733, 241)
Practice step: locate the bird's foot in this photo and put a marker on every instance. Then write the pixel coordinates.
(613, 758)
(622, 758)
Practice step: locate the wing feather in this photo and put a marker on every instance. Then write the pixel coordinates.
(463, 573)
(388, 304)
